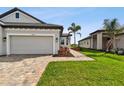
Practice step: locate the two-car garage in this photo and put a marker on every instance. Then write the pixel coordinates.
(28, 44)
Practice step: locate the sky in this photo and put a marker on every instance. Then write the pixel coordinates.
(89, 18)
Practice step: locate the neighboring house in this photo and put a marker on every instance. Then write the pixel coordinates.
(65, 40)
(21, 33)
(85, 42)
(98, 40)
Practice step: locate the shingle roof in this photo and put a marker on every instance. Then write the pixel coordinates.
(97, 31)
(36, 25)
(17, 9)
(32, 25)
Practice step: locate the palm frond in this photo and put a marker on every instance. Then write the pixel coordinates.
(106, 25)
(73, 24)
(114, 24)
(112, 27)
(78, 27)
(121, 29)
(74, 27)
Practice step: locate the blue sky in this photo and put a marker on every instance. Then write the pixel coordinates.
(90, 19)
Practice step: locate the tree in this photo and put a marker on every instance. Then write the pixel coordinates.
(112, 27)
(74, 29)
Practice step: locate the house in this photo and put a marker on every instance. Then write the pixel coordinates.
(85, 42)
(65, 40)
(98, 40)
(21, 33)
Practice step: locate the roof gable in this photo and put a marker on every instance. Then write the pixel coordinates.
(39, 24)
(2, 16)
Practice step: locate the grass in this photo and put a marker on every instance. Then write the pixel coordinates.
(106, 70)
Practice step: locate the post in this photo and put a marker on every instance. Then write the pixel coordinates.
(1, 41)
(91, 42)
(99, 41)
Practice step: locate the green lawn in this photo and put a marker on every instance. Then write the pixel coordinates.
(107, 69)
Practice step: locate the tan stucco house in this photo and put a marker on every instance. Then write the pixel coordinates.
(21, 33)
(85, 42)
(98, 40)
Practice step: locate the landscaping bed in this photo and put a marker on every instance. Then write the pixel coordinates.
(59, 55)
(63, 52)
(76, 49)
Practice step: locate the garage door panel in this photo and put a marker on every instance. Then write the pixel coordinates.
(31, 45)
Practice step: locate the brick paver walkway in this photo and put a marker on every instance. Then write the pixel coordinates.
(26, 69)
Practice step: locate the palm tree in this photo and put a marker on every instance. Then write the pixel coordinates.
(74, 29)
(112, 27)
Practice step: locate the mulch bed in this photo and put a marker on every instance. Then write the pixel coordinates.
(76, 49)
(58, 55)
(63, 52)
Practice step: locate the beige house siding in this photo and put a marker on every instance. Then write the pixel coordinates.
(120, 41)
(66, 41)
(91, 42)
(1, 41)
(85, 43)
(23, 18)
(99, 41)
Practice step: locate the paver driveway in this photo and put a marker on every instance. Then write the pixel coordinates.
(27, 69)
(21, 69)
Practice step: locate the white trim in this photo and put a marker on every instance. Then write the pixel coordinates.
(1, 40)
(32, 29)
(8, 44)
(58, 42)
(15, 34)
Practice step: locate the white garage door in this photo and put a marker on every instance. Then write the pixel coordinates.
(31, 44)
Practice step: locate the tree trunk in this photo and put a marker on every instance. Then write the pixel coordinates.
(74, 39)
(109, 44)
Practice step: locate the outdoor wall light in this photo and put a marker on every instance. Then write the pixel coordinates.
(4, 38)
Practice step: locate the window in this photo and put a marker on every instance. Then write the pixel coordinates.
(17, 15)
(67, 40)
(62, 41)
(87, 43)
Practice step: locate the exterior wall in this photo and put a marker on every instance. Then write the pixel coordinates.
(99, 41)
(65, 41)
(91, 42)
(85, 43)
(1, 40)
(23, 18)
(120, 41)
(55, 32)
(94, 43)
(4, 43)
(69, 41)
